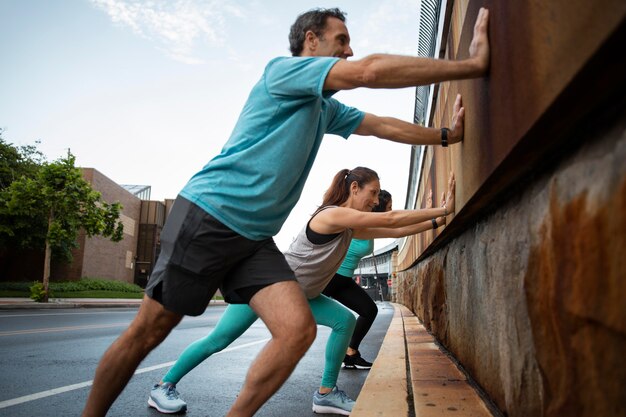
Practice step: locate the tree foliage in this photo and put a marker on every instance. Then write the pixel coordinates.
(18, 161)
(19, 229)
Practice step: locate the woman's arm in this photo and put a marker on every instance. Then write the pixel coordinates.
(335, 220)
(381, 232)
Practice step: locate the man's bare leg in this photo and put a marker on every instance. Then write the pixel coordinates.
(118, 364)
(286, 313)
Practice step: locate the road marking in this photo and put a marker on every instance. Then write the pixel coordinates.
(108, 312)
(73, 387)
(87, 327)
(62, 329)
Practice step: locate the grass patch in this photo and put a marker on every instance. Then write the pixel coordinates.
(97, 294)
(74, 294)
(14, 293)
(85, 288)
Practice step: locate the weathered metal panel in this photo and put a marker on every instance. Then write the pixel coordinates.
(525, 285)
(543, 75)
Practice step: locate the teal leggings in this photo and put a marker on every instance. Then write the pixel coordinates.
(239, 317)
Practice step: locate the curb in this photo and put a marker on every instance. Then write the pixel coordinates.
(384, 392)
(413, 376)
(43, 306)
(33, 305)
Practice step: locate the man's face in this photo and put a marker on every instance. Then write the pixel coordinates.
(335, 41)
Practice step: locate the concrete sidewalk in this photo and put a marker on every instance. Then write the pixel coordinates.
(412, 376)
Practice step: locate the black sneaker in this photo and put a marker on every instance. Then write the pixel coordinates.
(356, 362)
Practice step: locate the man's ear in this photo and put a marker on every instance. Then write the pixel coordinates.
(310, 40)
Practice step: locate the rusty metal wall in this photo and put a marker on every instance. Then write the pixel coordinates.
(543, 75)
(525, 285)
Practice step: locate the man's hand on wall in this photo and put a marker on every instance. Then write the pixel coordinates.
(479, 48)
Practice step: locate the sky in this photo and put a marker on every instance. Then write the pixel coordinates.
(148, 91)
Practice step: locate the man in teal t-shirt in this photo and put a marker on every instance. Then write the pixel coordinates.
(219, 232)
(266, 164)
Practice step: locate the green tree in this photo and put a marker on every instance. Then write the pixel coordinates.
(49, 210)
(18, 161)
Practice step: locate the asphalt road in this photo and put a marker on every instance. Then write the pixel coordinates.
(48, 358)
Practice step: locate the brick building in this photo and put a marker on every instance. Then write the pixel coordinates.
(99, 257)
(151, 220)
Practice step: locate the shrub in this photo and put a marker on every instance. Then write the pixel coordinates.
(85, 284)
(37, 292)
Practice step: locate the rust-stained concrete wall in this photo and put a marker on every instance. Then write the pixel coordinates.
(526, 284)
(530, 299)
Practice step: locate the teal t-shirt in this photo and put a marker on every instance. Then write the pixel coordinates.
(257, 179)
(357, 250)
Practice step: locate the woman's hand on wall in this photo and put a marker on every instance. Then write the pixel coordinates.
(449, 202)
(456, 130)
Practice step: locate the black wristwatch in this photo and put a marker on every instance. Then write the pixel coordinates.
(444, 136)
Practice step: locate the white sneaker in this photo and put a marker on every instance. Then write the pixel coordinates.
(335, 402)
(166, 399)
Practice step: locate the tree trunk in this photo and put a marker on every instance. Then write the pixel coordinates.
(46, 263)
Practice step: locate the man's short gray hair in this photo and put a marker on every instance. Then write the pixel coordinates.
(313, 20)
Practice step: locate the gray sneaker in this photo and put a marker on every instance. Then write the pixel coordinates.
(335, 402)
(166, 399)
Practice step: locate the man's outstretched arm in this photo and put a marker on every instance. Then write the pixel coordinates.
(397, 71)
(404, 132)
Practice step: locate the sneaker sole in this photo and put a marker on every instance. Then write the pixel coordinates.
(356, 367)
(152, 404)
(327, 409)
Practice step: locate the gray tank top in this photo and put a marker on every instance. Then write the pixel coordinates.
(315, 265)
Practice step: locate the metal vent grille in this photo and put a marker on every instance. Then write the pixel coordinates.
(428, 28)
(428, 22)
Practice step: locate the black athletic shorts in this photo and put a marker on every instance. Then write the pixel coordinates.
(199, 254)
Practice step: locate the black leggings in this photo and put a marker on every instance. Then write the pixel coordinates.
(351, 295)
